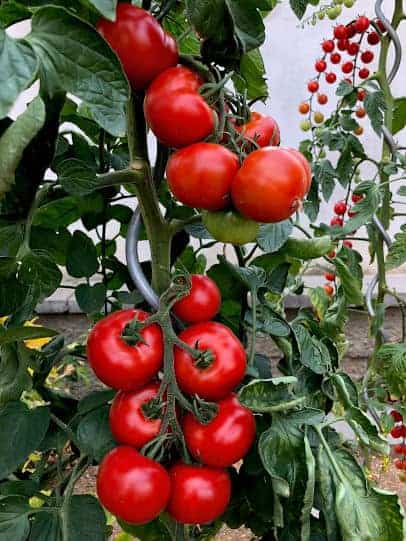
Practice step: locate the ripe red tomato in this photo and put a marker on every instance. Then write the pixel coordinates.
(335, 58)
(340, 208)
(367, 57)
(363, 73)
(132, 486)
(373, 38)
(270, 185)
(355, 198)
(313, 86)
(320, 65)
(396, 416)
(306, 165)
(199, 494)
(400, 463)
(362, 24)
(226, 439)
(398, 431)
(116, 363)
(340, 32)
(337, 220)
(202, 302)
(400, 448)
(322, 99)
(329, 289)
(342, 44)
(200, 175)
(142, 45)
(347, 243)
(128, 422)
(223, 374)
(262, 129)
(331, 78)
(175, 111)
(330, 276)
(328, 45)
(347, 67)
(353, 48)
(304, 107)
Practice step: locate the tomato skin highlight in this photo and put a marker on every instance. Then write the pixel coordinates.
(201, 174)
(199, 494)
(118, 364)
(270, 185)
(217, 380)
(131, 486)
(202, 303)
(175, 111)
(142, 45)
(262, 129)
(128, 423)
(226, 439)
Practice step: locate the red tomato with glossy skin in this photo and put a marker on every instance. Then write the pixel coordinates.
(199, 494)
(175, 111)
(142, 45)
(306, 165)
(202, 302)
(132, 486)
(200, 175)
(262, 129)
(128, 423)
(226, 439)
(226, 370)
(270, 185)
(116, 363)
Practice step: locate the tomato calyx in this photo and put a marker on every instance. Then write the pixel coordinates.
(132, 333)
(204, 358)
(203, 410)
(153, 408)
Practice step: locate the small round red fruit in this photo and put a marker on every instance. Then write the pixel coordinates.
(322, 99)
(363, 73)
(347, 67)
(353, 48)
(367, 57)
(304, 107)
(132, 486)
(331, 77)
(202, 303)
(330, 276)
(329, 289)
(400, 448)
(380, 25)
(396, 416)
(335, 58)
(360, 112)
(226, 439)
(199, 494)
(337, 220)
(347, 243)
(361, 93)
(351, 213)
(400, 463)
(320, 65)
(361, 24)
(340, 208)
(340, 32)
(328, 46)
(342, 44)
(398, 431)
(332, 254)
(373, 38)
(313, 86)
(355, 198)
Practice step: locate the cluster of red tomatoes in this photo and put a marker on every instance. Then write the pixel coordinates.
(347, 40)
(131, 485)
(270, 183)
(399, 432)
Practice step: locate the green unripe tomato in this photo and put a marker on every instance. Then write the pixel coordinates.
(333, 12)
(338, 2)
(305, 125)
(230, 227)
(321, 15)
(314, 2)
(349, 3)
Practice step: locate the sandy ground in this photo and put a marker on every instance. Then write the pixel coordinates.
(360, 347)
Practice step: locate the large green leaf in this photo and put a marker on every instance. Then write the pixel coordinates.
(313, 353)
(75, 58)
(350, 284)
(271, 237)
(59, 213)
(393, 359)
(90, 298)
(397, 252)
(46, 526)
(94, 433)
(308, 499)
(270, 395)
(18, 66)
(84, 519)
(22, 430)
(81, 258)
(16, 138)
(399, 115)
(14, 523)
(375, 106)
(39, 273)
(326, 495)
(251, 76)
(299, 7)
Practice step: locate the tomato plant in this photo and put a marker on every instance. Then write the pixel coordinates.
(191, 424)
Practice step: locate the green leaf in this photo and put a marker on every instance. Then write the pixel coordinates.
(299, 7)
(76, 177)
(320, 301)
(365, 208)
(393, 359)
(399, 115)
(344, 89)
(11, 237)
(14, 523)
(84, 519)
(325, 484)
(107, 8)
(94, 433)
(308, 498)
(39, 273)
(271, 237)
(397, 252)
(16, 138)
(90, 298)
(45, 527)
(17, 420)
(350, 284)
(307, 248)
(81, 256)
(252, 277)
(325, 175)
(12, 295)
(19, 334)
(95, 400)
(251, 76)
(59, 213)
(153, 531)
(18, 66)
(269, 395)
(12, 12)
(77, 59)
(375, 106)
(313, 353)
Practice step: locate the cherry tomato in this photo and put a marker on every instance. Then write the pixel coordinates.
(332, 254)
(224, 440)
(270, 185)
(337, 220)
(330, 276)
(360, 112)
(328, 45)
(318, 117)
(329, 289)
(373, 38)
(367, 57)
(216, 378)
(361, 93)
(351, 213)
(142, 45)
(355, 198)
(398, 431)
(230, 227)
(400, 449)
(359, 130)
(347, 67)
(342, 44)
(200, 175)
(312, 86)
(320, 65)
(347, 243)
(400, 463)
(202, 303)
(132, 486)
(340, 208)
(335, 58)
(175, 111)
(353, 48)
(363, 73)
(396, 416)
(340, 32)
(331, 77)
(361, 24)
(304, 108)
(322, 99)
(118, 364)
(380, 25)
(128, 422)
(262, 129)
(199, 494)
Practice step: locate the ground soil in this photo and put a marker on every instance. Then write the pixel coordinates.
(360, 347)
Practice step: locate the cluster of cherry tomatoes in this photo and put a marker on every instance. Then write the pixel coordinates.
(269, 184)
(399, 432)
(131, 485)
(332, 11)
(344, 50)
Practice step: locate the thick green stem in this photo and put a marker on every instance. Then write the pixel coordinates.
(158, 230)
